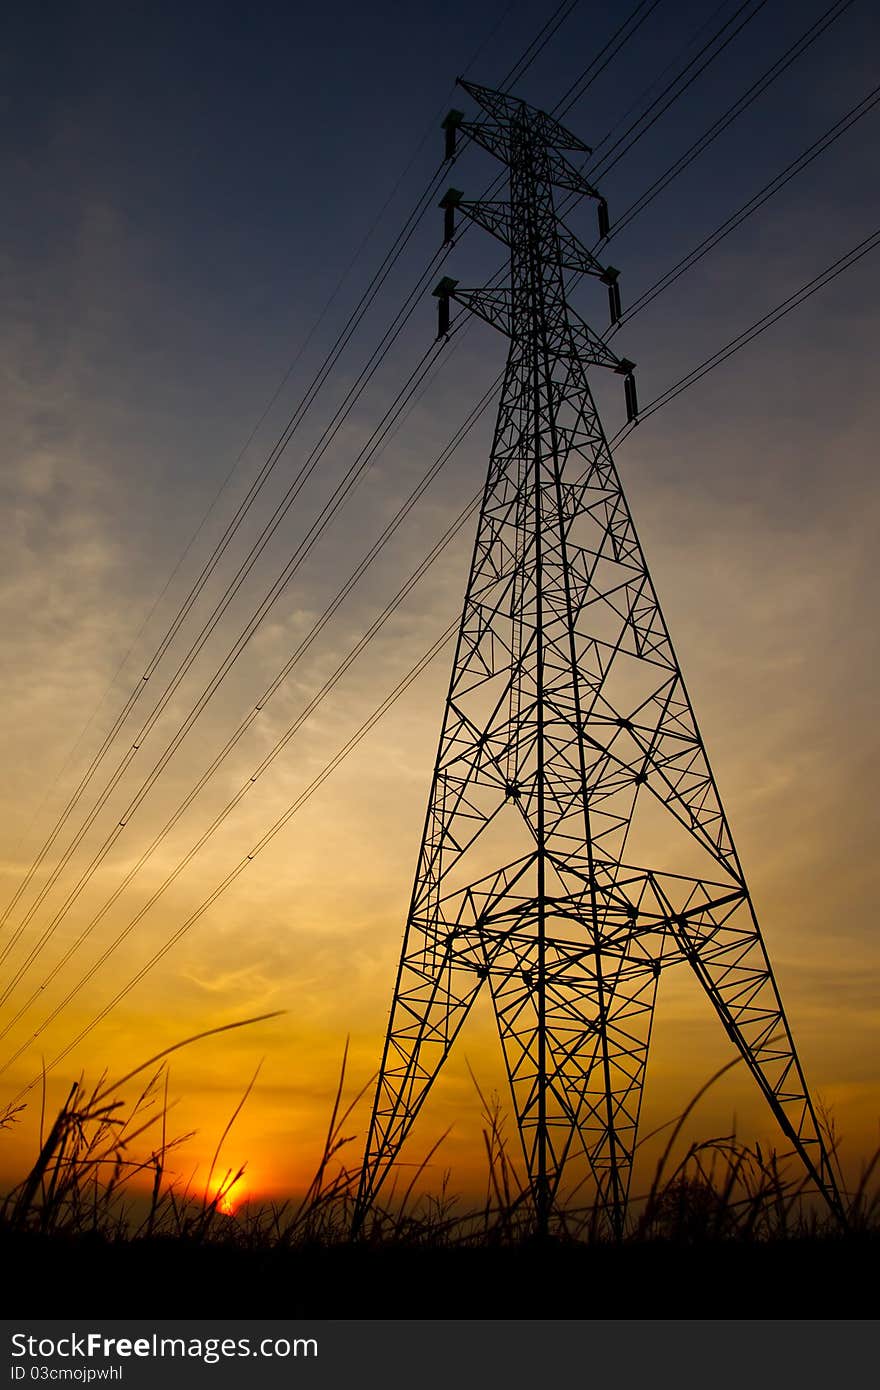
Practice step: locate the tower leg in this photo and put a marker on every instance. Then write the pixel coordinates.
(596, 1025)
(438, 981)
(730, 961)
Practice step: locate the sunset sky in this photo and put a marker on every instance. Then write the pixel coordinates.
(196, 197)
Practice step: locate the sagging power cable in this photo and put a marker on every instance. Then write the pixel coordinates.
(757, 200)
(836, 268)
(532, 51)
(260, 705)
(743, 102)
(270, 598)
(793, 301)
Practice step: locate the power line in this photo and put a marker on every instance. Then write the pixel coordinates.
(246, 723)
(618, 39)
(350, 479)
(831, 272)
(270, 598)
(231, 530)
(545, 34)
(791, 54)
(652, 86)
(657, 405)
(348, 747)
(222, 605)
(532, 51)
(431, 129)
(599, 171)
(626, 31)
(620, 36)
(540, 41)
(279, 746)
(429, 132)
(735, 220)
(717, 35)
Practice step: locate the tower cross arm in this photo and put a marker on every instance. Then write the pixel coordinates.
(495, 138)
(493, 216)
(575, 256)
(591, 349)
(563, 174)
(492, 137)
(505, 108)
(491, 305)
(575, 337)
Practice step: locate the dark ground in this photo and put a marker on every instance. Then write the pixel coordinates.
(87, 1276)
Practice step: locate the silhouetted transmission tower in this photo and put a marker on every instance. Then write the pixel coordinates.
(568, 741)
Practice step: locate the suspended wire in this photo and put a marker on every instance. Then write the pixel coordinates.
(627, 144)
(795, 51)
(831, 272)
(231, 530)
(624, 32)
(238, 460)
(278, 586)
(294, 363)
(784, 61)
(235, 584)
(547, 33)
(540, 42)
(837, 267)
(329, 768)
(587, 77)
(532, 51)
(279, 746)
(606, 163)
(214, 501)
(617, 41)
(370, 451)
(275, 592)
(259, 545)
(560, 15)
(582, 84)
(656, 405)
(736, 219)
(245, 724)
(304, 645)
(652, 86)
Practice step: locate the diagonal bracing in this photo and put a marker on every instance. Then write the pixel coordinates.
(567, 736)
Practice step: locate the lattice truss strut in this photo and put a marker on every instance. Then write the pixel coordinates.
(567, 721)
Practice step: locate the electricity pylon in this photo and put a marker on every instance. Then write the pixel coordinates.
(568, 738)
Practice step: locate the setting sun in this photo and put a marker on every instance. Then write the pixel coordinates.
(229, 1196)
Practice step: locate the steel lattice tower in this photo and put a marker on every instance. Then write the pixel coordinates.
(566, 717)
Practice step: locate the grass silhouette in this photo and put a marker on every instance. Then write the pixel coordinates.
(723, 1230)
